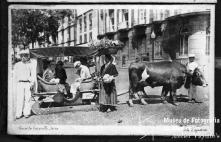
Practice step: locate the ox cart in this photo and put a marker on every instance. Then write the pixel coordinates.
(48, 99)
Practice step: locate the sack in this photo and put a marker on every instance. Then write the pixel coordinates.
(58, 98)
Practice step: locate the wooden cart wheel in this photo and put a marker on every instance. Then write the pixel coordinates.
(36, 108)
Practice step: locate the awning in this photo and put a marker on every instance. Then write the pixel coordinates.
(70, 51)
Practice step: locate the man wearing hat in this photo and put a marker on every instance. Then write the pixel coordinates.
(191, 66)
(24, 77)
(82, 70)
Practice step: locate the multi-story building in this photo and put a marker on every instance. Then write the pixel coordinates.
(132, 26)
(139, 29)
(67, 30)
(85, 31)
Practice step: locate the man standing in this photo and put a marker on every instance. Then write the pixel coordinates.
(191, 66)
(82, 70)
(25, 78)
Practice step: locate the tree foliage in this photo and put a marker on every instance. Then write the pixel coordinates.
(30, 25)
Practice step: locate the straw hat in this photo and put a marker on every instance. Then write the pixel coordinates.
(26, 51)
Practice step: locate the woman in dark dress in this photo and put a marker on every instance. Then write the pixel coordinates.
(108, 93)
(60, 72)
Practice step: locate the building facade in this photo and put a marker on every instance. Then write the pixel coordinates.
(134, 27)
(146, 33)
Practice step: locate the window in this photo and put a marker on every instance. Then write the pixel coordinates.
(132, 17)
(167, 13)
(142, 14)
(183, 45)
(72, 33)
(90, 21)
(175, 12)
(111, 15)
(161, 15)
(207, 40)
(118, 18)
(156, 15)
(151, 16)
(85, 37)
(85, 23)
(90, 36)
(158, 52)
(102, 14)
(80, 25)
(80, 41)
(125, 16)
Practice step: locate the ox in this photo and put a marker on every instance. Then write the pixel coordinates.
(169, 74)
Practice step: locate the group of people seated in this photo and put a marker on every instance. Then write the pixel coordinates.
(108, 72)
(58, 75)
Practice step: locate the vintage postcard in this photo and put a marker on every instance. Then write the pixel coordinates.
(102, 69)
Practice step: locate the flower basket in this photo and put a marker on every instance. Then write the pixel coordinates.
(106, 46)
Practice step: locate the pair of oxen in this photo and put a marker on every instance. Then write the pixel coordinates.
(171, 75)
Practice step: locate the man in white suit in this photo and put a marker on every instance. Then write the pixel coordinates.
(191, 66)
(25, 77)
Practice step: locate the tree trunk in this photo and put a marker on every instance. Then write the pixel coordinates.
(13, 54)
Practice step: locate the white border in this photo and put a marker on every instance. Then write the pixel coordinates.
(126, 1)
(111, 130)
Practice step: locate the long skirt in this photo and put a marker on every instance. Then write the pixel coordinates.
(108, 94)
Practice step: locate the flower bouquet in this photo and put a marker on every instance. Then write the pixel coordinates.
(106, 46)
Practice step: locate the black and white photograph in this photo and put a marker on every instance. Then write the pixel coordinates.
(111, 69)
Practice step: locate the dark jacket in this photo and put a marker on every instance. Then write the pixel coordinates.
(61, 74)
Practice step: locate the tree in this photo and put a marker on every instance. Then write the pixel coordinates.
(31, 25)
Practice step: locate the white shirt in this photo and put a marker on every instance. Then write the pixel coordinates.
(191, 66)
(84, 72)
(23, 72)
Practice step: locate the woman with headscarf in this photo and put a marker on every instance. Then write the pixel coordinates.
(108, 93)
